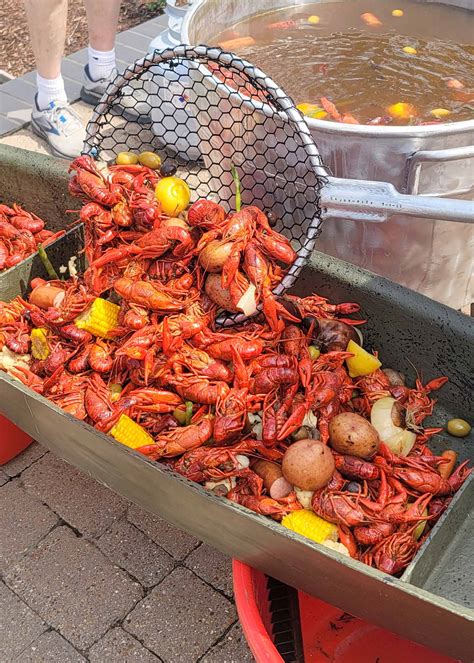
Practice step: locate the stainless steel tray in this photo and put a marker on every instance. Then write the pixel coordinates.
(431, 602)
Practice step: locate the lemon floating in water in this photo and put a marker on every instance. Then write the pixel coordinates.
(402, 110)
(440, 112)
(314, 20)
(397, 13)
(312, 110)
(410, 50)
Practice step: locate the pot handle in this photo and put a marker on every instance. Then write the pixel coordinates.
(416, 161)
(364, 200)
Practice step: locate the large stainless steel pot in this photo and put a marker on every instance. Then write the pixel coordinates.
(431, 256)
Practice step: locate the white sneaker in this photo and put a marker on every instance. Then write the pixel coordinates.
(92, 91)
(61, 127)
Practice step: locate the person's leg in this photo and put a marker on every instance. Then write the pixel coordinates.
(47, 26)
(102, 18)
(52, 118)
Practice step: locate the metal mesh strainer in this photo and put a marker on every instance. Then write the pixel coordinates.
(208, 110)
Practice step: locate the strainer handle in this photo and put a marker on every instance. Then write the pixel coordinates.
(364, 200)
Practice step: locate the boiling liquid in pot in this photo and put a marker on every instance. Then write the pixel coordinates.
(362, 69)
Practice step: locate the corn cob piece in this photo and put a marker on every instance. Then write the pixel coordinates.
(99, 318)
(39, 343)
(128, 432)
(310, 525)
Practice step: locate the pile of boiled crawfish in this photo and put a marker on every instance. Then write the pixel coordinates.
(20, 234)
(197, 389)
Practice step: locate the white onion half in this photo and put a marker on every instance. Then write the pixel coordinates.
(398, 439)
(247, 303)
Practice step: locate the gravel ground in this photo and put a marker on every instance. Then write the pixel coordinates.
(16, 56)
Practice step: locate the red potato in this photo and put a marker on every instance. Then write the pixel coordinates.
(214, 255)
(351, 434)
(308, 464)
(218, 294)
(275, 483)
(45, 296)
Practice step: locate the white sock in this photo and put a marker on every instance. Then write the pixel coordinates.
(101, 63)
(50, 89)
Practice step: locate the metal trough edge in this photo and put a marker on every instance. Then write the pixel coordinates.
(255, 540)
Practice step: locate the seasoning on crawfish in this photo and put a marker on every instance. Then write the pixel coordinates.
(233, 409)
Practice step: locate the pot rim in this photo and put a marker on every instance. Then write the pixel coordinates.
(367, 130)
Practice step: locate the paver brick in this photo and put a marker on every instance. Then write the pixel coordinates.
(74, 587)
(128, 547)
(21, 89)
(82, 502)
(180, 617)
(176, 542)
(27, 457)
(19, 625)
(15, 109)
(23, 522)
(117, 645)
(50, 647)
(3, 478)
(232, 648)
(8, 126)
(212, 566)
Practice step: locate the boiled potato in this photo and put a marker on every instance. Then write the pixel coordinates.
(351, 434)
(308, 464)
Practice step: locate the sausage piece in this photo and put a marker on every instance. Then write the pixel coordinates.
(275, 483)
(45, 296)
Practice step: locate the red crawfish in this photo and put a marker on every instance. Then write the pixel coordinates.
(248, 493)
(274, 371)
(356, 468)
(199, 363)
(319, 307)
(247, 349)
(146, 294)
(199, 390)
(23, 220)
(100, 358)
(393, 553)
(214, 463)
(416, 401)
(11, 311)
(339, 507)
(206, 214)
(179, 440)
(231, 415)
(425, 481)
(97, 401)
(88, 181)
(28, 378)
(147, 399)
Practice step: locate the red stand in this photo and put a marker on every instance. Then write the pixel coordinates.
(328, 634)
(12, 440)
(347, 639)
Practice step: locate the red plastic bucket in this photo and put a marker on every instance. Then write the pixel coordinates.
(324, 628)
(12, 440)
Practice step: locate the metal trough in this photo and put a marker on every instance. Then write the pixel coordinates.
(433, 602)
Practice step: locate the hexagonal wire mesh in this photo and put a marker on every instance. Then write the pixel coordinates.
(208, 110)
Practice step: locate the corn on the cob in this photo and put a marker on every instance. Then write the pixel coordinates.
(99, 318)
(308, 524)
(39, 343)
(130, 433)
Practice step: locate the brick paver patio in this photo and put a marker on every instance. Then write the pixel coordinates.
(88, 576)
